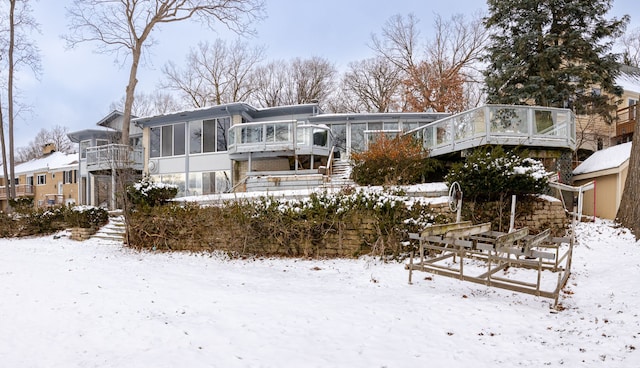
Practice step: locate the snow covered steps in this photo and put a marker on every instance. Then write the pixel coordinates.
(114, 230)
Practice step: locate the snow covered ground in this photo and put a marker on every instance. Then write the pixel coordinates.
(98, 304)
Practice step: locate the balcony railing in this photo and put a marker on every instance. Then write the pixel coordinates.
(627, 118)
(114, 156)
(279, 137)
(22, 190)
(500, 124)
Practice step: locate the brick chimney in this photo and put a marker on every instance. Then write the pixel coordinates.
(48, 148)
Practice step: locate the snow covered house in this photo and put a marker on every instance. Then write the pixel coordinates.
(49, 180)
(238, 147)
(608, 168)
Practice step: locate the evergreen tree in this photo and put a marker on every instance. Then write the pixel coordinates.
(553, 53)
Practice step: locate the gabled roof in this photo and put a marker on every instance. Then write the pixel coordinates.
(606, 159)
(55, 161)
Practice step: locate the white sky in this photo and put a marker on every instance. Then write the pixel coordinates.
(77, 86)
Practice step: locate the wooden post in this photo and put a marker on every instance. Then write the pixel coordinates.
(512, 221)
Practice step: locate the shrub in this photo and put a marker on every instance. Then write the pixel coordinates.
(85, 216)
(22, 204)
(493, 174)
(320, 225)
(147, 193)
(393, 161)
(41, 221)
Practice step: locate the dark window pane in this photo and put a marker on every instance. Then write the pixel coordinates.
(167, 140)
(178, 139)
(195, 137)
(221, 135)
(209, 136)
(154, 142)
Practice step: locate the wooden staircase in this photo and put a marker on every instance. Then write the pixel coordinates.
(340, 174)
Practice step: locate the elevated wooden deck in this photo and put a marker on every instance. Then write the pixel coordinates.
(508, 125)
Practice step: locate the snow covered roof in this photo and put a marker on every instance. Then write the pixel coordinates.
(605, 159)
(52, 162)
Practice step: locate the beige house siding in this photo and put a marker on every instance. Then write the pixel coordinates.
(609, 185)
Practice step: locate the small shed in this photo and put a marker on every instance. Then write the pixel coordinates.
(608, 170)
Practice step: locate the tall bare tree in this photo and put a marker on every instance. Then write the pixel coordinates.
(148, 104)
(436, 72)
(299, 81)
(314, 79)
(126, 26)
(215, 73)
(20, 52)
(374, 83)
(56, 136)
(272, 82)
(631, 48)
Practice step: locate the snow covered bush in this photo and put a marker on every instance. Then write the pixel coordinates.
(147, 193)
(348, 223)
(494, 174)
(85, 216)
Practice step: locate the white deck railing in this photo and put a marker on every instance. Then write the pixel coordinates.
(510, 125)
(114, 156)
(279, 136)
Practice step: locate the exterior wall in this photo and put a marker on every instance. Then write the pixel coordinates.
(593, 133)
(44, 194)
(607, 192)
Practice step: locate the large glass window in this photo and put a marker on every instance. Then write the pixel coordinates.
(83, 148)
(154, 142)
(178, 139)
(167, 140)
(221, 134)
(202, 183)
(209, 136)
(195, 137)
(357, 136)
(205, 136)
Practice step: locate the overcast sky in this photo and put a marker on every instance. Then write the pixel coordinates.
(77, 86)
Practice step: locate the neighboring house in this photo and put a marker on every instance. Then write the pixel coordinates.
(49, 180)
(594, 134)
(627, 114)
(608, 169)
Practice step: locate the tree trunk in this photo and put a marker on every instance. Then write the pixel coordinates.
(629, 210)
(4, 159)
(12, 188)
(130, 92)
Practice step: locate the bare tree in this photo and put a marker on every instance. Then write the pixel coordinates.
(374, 83)
(149, 104)
(299, 81)
(20, 51)
(631, 48)
(437, 73)
(125, 27)
(56, 136)
(272, 84)
(215, 73)
(314, 79)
